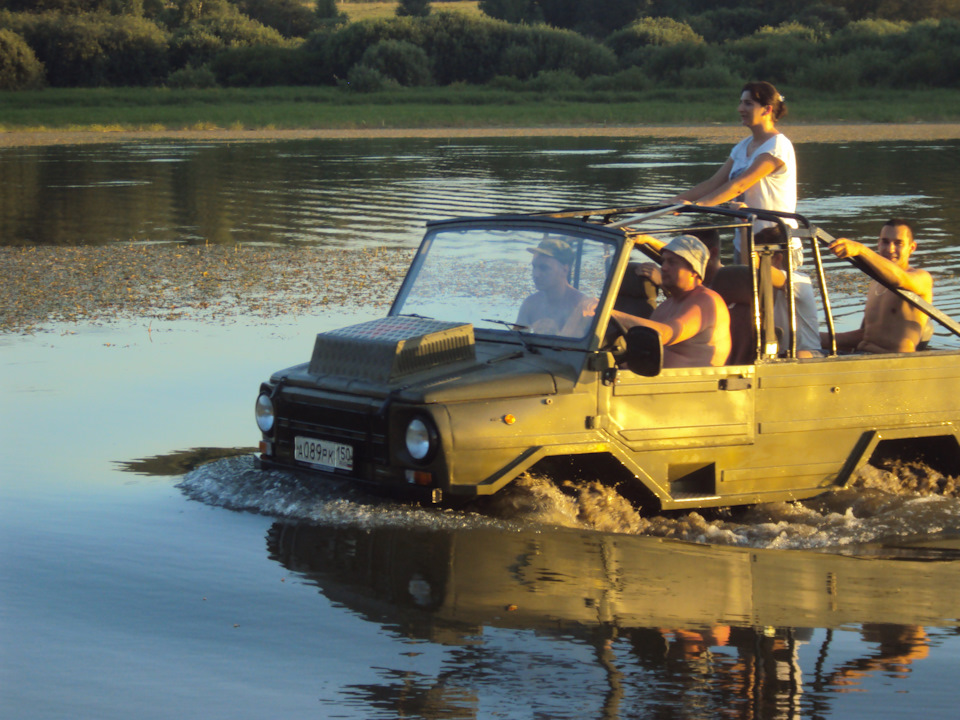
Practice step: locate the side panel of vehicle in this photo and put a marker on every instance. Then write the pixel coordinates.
(776, 431)
(495, 441)
(826, 417)
(679, 430)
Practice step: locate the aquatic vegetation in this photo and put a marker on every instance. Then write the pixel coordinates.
(98, 284)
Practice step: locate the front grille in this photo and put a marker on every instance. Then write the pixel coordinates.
(359, 426)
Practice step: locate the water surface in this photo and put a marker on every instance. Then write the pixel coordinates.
(148, 570)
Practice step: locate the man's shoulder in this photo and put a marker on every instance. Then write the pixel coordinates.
(709, 295)
(530, 302)
(922, 282)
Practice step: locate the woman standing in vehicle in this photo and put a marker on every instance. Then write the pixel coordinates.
(761, 171)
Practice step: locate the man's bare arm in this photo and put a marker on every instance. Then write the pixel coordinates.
(848, 340)
(918, 281)
(681, 328)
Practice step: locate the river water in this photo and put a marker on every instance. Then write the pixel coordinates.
(148, 570)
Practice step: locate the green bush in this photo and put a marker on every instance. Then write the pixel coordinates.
(629, 79)
(566, 50)
(344, 47)
(792, 31)
(930, 50)
(362, 78)
(19, 67)
(267, 65)
(94, 49)
(723, 24)
(519, 61)
(824, 17)
(512, 11)
(664, 63)
(192, 78)
(555, 81)
(868, 33)
(399, 60)
(178, 13)
(328, 16)
(463, 49)
(875, 67)
(199, 41)
(413, 8)
(712, 75)
(831, 73)
(929, 67)
(649, 31)
(778, 55)
(290, 18)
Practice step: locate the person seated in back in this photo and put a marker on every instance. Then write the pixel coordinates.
(556, 308)
(804, 301)
(890, 323)
(693, 322)
(736, 288)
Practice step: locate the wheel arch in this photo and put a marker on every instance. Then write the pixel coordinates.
(937, 446)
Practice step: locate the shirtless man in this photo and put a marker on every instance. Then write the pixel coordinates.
(557, 308)
(890, 324)
(693, 322)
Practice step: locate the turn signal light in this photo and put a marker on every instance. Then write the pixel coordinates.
(419, 477)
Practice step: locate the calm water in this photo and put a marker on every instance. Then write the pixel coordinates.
(134, 584)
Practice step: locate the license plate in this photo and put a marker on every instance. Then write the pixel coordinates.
(323, 453)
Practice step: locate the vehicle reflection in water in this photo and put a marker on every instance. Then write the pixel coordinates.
(670, 623)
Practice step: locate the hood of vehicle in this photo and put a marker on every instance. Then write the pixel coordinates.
(427, 361)
(392, 348)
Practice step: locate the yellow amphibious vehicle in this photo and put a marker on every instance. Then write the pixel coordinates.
(450, 396)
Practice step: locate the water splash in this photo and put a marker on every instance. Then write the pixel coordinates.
(236, 484)
(885, 505)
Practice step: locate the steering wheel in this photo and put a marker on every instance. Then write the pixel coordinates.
(615, 338)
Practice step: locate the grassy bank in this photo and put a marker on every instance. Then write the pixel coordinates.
(448, 107)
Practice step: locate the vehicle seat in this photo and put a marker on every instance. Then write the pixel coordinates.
(638, 295)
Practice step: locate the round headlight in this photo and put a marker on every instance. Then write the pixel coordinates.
(420, 438)
(264, 413)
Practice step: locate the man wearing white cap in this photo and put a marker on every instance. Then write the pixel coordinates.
(693, 322)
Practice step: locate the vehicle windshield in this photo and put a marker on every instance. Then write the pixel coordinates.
(540, 280)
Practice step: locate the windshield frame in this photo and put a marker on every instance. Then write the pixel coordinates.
(612, 237)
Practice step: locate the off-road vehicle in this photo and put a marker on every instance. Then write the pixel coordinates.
(451, 397)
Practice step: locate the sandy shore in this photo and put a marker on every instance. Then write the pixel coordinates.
(726, 134)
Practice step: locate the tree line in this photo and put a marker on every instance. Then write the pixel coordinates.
(517, 44)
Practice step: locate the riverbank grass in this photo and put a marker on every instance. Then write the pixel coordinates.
(446, 107)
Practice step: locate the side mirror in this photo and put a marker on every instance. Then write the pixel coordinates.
(644, 351)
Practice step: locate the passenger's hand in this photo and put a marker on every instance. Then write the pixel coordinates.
(651, 271)
(844, 248)
(735, 205)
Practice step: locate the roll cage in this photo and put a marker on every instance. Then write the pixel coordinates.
(635, 220)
